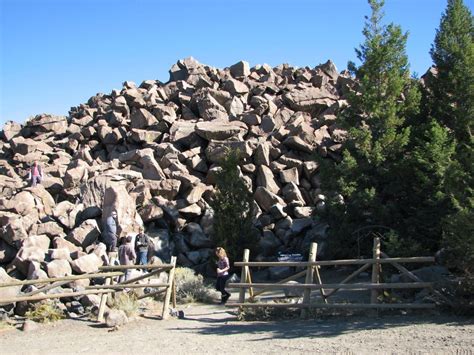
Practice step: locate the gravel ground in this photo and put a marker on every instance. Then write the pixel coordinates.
(209, 329)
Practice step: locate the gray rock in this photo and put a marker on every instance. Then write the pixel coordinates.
(115, 318)
(302, 212)
(221, 130)
(240, 69)
(266, 199)
(300, 224)
(85, 234)
(58, 268)
(269, 243)
(290, 175)
(87, 263)
(266, 179)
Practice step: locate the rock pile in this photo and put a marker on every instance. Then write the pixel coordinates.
(151, 152)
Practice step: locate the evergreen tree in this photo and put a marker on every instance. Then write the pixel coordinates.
(233, 209)
(450, 98)
(423, 202)
(367, 178)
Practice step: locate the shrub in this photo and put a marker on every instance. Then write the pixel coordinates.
(127, 302)
(45, 312)
(190, 287)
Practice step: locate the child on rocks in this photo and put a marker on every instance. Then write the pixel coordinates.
(223, 267)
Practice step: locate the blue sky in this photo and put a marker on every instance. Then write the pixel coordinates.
(55, 54)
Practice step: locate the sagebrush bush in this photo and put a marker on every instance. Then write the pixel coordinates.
(190, 287)
(45, 312)
(127, 302)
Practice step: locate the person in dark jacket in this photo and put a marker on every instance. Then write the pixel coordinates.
(110, 232)
(127, 256)
(142, 243)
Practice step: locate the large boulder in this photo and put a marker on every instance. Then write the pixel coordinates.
(10, 291)
(167, 188)
(39, 241)
(61, 243)
(51, 229)
(58, 268)
(240, 69)
(47, 124)
(67, 213)
(11, 129)
(221, 130)
(312, 100)
(117, 198)
(266, 179)
(87, 264)
(12, 229)
(266, 199)
(86, 234)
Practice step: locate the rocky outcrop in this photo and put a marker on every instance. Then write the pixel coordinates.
(150, 152)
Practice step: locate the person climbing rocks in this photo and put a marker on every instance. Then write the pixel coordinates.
(35, 174)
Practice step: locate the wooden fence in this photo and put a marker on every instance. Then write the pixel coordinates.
(109, 273)
(313, 281)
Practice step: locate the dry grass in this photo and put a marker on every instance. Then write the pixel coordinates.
(126, 302)
(45, 312)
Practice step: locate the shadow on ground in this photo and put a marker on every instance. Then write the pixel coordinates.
(226, 325)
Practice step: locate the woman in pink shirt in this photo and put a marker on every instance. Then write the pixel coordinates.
(36, 174)
(223, 267)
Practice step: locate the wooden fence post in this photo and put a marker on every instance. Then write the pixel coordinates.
(375, 270)
(169, 290)
(309, 279)
(103, 301)
(243, 275)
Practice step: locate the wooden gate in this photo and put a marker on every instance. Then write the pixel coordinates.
(313, 281)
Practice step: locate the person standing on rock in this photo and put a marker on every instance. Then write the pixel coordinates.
(35, 174)
(142, 243)
(127, 256)
(223, 267)
(110, 232)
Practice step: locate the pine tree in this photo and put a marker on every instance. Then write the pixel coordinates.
(233, 209)
(423, 202)
(450, 98)
(375, 119)
(452, 101)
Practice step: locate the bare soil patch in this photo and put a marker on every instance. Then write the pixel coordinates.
(209, 329)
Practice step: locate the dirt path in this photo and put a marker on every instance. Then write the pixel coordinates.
(209, 329)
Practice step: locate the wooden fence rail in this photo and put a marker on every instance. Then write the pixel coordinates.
(313, 281)
(108, 273)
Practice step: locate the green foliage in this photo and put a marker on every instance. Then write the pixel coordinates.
(458, 241)
(45, 312)
(422, 201)
(449, 98)
(452, 92)
(233, 209)
(190, 287)
(378, 134)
